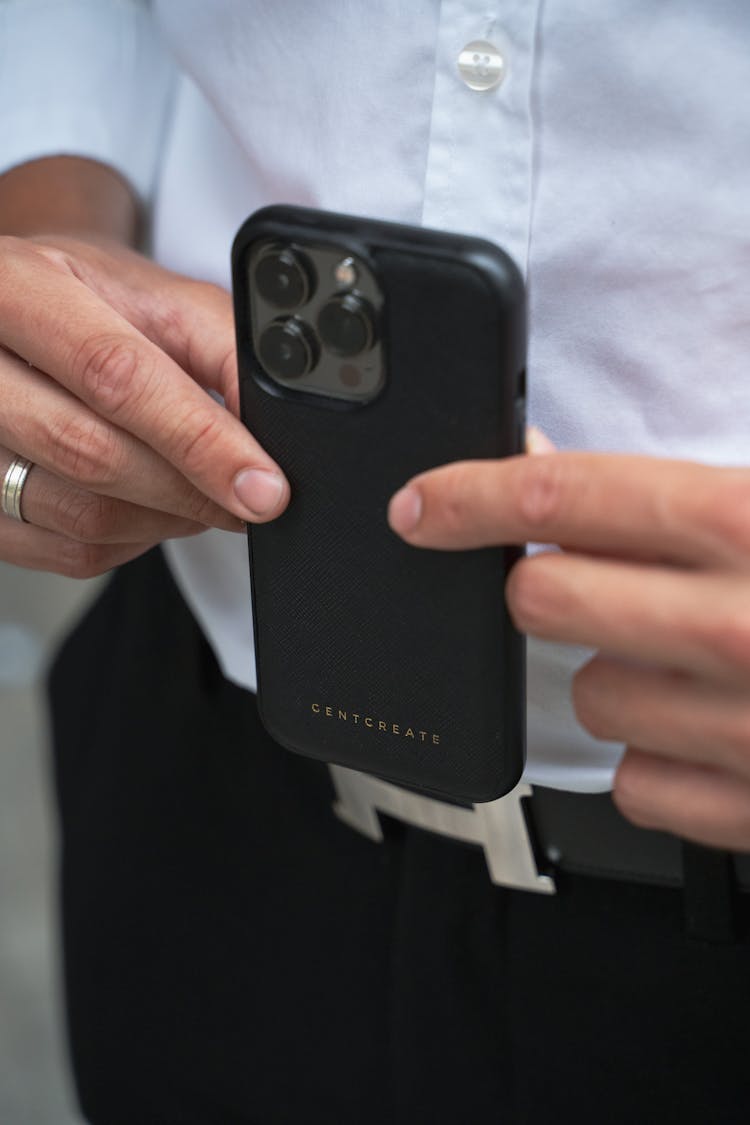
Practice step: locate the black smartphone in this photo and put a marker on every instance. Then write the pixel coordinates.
(368, 352)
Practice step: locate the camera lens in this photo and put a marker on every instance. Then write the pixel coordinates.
(283, 278)
(346, 325)
(287, 349)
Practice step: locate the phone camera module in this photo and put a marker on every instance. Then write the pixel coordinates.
(346, 325)
(315, 318)
(283, 278)
(345, 273)
(288, 349)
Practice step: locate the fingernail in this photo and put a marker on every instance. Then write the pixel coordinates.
(537, 442)
(405, 510)
(258, 490)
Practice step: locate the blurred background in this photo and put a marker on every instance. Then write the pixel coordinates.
(35, 611)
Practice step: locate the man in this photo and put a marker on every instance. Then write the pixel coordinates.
(233, 953)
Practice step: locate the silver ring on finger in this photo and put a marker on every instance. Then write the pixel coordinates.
(12, 490)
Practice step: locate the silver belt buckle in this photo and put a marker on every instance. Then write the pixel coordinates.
(499, 826)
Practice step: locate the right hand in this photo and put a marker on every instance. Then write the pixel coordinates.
(105, 364)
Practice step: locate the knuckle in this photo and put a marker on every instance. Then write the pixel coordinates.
(528, 594)
(84, 450)
(587, 701)
(165, 322)
(87, 517)
(195, 439)
(728, 639)
(106, 367)
(20, 253)
(725, 510)
(628, 793)
(53, 255)
(83, 560)
(543, 488)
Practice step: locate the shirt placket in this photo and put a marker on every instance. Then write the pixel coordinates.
(479, 165)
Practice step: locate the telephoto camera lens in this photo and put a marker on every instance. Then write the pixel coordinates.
(284, 278)
(346, 325)
(288, 349)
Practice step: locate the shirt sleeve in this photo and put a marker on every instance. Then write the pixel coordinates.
(84, 78)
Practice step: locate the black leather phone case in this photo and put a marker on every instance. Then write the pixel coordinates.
(398, 661)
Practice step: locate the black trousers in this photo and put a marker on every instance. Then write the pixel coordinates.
(235, 954)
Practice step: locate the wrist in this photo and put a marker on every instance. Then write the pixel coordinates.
(68, 195)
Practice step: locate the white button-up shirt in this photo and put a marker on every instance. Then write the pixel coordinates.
(604, 143)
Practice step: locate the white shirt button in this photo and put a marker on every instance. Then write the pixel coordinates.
(481, 65)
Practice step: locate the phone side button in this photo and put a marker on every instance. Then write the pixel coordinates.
(519, 416)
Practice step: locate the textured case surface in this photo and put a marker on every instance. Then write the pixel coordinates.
(373, 654)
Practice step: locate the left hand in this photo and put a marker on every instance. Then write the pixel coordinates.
(655, 575)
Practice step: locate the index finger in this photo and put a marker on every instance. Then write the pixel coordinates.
(55, 322)
(657, 509)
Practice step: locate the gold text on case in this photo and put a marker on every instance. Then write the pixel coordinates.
(379, 725)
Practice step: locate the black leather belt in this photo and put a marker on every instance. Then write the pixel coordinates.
(531, 836)
(584, 834)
